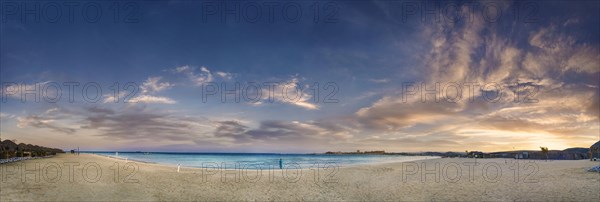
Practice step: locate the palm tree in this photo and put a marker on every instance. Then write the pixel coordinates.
(545, 152)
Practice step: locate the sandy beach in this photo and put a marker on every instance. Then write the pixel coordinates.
(90, 177)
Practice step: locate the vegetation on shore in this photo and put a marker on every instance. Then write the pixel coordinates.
(10, 149)
(543, 153)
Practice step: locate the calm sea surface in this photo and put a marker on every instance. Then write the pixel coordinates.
(258, 160)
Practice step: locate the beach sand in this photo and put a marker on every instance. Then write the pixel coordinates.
(488, 180)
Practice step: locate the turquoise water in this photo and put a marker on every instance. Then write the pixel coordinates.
(257, 160)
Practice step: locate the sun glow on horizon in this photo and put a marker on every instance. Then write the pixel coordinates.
(523, 140)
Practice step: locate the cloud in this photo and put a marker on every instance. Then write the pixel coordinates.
(224, 75)
(202, 75)
(549, 58)
(391, 113)
(152, 99)
(140, 123)
(229, 128)
(146, 96)
(24, 92)
(196, 77)
(233, 130)
(111, 97)
(413, 143)
(5, 116)
(99, 110)
(556, 52)
(143, 98)
(128, 123)
(274, 131)
(289, 92)
(153, 84)
(475, 52)
(48, 119)
(379, 80)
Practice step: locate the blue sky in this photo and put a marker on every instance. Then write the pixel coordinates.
(366, 49)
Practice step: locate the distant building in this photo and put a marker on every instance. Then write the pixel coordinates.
(475, 154)
(374, 152)
(357, 152)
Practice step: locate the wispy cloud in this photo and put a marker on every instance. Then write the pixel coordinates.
(153, 84)
(379, 80)
(224, 75)
(558, 58)
(272, 131)
(141, 123)
(152, 100)
(146, 95)
(5, 116)
(49, 120)
(196, 77)
(290, 92)
(26, 91)
(473, 52)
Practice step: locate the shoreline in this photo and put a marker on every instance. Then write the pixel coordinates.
(362, 164)
(339, 166)
(19, 159)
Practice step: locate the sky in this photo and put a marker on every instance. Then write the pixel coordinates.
(313, 76)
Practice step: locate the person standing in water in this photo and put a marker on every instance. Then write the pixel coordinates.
(280, 163)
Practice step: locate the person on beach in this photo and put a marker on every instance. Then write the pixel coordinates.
(280, 163)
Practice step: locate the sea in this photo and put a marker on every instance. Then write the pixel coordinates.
(259, 160)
